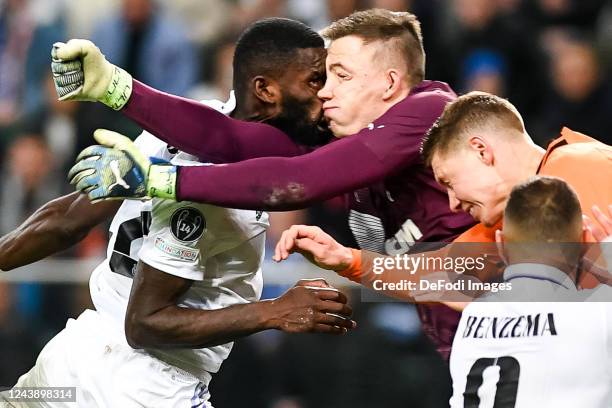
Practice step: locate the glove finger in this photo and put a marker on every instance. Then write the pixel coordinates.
(80, 175)
(99, 194)
(67, 92)
(93, 151)
(54, 49)
(73, 78)
(73, 49)
(88, 182)
(61, 67)
(86, 166)
(111, 139)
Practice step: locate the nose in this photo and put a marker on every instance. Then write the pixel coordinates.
(453, 202)
(325, 93)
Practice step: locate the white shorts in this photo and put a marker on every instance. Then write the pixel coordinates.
(108, 373)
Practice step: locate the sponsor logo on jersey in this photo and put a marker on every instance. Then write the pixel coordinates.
(187, 224)
(176, 251)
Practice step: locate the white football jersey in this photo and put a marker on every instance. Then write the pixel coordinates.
(220, 249)
(511, 352)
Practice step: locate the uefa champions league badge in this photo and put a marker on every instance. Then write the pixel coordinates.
(187, 224)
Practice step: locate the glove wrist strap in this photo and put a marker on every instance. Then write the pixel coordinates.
(119, 89)
(162, 181)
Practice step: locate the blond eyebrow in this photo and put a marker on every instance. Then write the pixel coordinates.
(338, 65)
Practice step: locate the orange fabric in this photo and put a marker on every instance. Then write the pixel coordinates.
(353, 272)
(583, 162)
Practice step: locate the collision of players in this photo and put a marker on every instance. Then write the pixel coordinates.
(194, 285)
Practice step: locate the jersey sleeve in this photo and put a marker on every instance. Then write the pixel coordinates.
(177, 241)
(386, 146)
(203, 132)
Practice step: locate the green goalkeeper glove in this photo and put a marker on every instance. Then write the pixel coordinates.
(116, 169)
(81, 73)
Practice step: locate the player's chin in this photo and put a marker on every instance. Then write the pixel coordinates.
(338, 131)
(486, 221)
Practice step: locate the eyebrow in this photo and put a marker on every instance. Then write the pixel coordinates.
(338, 65)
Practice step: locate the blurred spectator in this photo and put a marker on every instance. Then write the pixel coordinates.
(509, 7)
(312, 13)
(247, 11)
(17, 346)
(484, 71)
(146, 43)
(24, 58)
(55, 121)
(393, 5)
(81, 16)
(577, 13)
(30, 180)
(582, 100)
(337, 9)
(604, 37)
(218, 71)
(205, 21)
(478, 26)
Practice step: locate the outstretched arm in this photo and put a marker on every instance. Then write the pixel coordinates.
(54, 227)
(202, 131)
(81, 73)
(270, 183)
(389, 275)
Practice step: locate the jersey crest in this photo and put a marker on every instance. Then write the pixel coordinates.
(187, 224)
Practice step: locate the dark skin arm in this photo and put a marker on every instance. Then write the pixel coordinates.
(54, 227)
(153, 319)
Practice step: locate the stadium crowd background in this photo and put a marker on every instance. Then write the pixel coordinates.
(552, 58)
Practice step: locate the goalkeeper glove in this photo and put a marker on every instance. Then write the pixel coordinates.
(81, 73)
(116, 169)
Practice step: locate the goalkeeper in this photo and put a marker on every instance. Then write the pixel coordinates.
(395, 202)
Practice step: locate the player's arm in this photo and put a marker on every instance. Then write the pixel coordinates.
(153, 319)
(271, 183)
(54, 227)
(82, 73)
(379, 271)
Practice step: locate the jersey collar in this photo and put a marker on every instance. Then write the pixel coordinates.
(539, 272)
(567, 136)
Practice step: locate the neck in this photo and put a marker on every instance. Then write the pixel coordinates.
(534, 157)
(522, 159)
(249, 114)
(387, 104)
(570, 270)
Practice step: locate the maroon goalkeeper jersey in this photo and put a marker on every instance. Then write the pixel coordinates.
(393, 198)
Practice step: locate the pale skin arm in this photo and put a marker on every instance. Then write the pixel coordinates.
(603, 231)
(324, 251)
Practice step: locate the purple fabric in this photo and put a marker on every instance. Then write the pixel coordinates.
(379, 169)
(202, 131)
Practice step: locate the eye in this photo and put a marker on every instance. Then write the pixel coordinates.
(342, 76)
(316, 81)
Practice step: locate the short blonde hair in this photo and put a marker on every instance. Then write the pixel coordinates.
(470, 111)
(401, 28)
